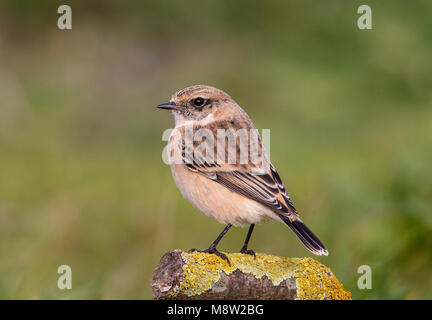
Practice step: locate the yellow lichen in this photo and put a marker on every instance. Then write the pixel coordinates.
(314, 281)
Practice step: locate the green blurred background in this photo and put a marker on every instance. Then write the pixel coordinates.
(82, 181)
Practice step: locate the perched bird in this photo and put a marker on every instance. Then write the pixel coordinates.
(229, 191)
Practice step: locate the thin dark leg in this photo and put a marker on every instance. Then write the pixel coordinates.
(212, 248)
(244, 249)
(224, 231)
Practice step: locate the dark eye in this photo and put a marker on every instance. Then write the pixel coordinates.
(198, 102)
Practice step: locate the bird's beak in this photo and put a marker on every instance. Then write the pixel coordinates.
(168, 106)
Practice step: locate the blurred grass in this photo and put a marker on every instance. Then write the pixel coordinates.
(82, 181)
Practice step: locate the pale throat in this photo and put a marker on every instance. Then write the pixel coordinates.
(181, 121)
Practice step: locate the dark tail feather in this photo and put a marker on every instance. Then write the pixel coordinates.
(306, 236)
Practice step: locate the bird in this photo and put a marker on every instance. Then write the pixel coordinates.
(232, 192)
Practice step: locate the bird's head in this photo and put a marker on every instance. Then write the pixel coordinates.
(197, 103)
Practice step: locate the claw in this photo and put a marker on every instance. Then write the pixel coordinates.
(219, 254)
(246, 251)
(212, 250)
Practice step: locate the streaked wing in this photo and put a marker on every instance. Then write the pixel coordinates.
(263, 186)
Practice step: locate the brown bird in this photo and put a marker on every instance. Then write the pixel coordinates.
(215, 180)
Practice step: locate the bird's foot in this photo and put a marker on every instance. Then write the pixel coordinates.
(245, 250)
(212, 250)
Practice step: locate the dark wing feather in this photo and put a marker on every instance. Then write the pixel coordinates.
(265, 187)
(261, 188)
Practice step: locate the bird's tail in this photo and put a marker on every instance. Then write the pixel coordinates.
(306, 236)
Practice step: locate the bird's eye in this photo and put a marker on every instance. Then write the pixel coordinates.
(198, 102)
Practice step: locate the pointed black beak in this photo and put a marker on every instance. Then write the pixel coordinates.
(168, 106)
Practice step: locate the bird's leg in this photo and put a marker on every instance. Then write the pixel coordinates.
(244, 249)
(212, 248)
